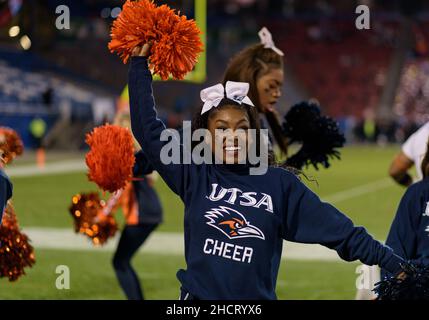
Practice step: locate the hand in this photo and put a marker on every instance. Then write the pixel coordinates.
(142, 51)
(401, 276)
(150, 180)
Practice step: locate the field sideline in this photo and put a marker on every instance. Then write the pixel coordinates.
(357, 185)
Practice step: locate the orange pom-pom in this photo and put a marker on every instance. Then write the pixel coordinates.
(111, 158)
(16, 253)
(90, 220)
(132, 27)
(9, 217)
(11, 144)
(176, 41)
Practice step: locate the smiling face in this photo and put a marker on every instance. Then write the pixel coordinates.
(232, 139)
(269, 87)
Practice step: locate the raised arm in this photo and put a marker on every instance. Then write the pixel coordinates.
(147, 127)
(309, 220)
(399, 167)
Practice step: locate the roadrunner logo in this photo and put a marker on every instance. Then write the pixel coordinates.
(232, 223)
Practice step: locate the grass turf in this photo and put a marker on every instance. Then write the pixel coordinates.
(43, 201)
(92, 277)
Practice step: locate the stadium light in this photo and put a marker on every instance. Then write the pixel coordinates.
(14, 31)
(115, 12)
(25, 42)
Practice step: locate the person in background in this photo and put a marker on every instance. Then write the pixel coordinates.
(409, 233)
(412, 153)
(143, 214)
(262, 66)
(47, 98)
(37, 130)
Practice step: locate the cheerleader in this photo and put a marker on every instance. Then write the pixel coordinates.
(261, 65)
(143, 214)
(235, 222)
(409, 233)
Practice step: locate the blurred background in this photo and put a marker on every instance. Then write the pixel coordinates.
(69, 78)
(57, 85)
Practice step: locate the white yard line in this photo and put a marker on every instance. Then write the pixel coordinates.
(80, 166)
(164, 243)
(359, 191)
(50, 168)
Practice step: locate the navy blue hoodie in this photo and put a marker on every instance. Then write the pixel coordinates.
(5, 192)
(409, 233)
(235, 223)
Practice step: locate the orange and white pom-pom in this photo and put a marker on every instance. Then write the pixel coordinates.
(175, 39)
(11, 144)
(16, 253)
(111, 158)
(90, 219)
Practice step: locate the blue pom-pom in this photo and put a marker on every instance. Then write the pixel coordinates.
(412, 283)
(320, 136)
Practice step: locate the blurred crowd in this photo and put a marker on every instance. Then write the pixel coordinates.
(327, 60)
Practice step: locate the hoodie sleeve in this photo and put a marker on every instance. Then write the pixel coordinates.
(309, 220)
(147, 127)
(402, 236)
(142, 166)
(5, 192)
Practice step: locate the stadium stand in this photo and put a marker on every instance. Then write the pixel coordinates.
(30, 88)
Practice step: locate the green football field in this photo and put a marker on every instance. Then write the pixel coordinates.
(357, 185)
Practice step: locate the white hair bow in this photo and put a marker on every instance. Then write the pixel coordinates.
(235, 91)
(267, 41)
